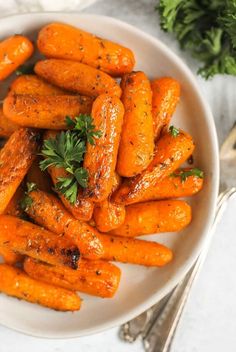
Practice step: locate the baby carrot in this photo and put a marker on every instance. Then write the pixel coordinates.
(134, 251)
(44, 111)
(46, 210)
(14, 51)
(7, 127)
(10, 257)
(62, 41)
(100, 158)
(32, 84)
(15, 159)
(165, 97)
(77, 77)
(26, 238)
(137, 140)
(14, 282)
(171, 152)
(95, 277)
(154, 217)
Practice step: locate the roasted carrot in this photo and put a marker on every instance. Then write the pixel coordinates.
(173, 186)
(14, 282)
(95, 277)
(83, 208)
(14, 51)
(100, 159)
(77, 77)
(32, 84)
(46, 210)
(26, 238)
(165, 97)
(44, 111)
(13, 208)
(62, 41)
(134, 251)
(15, 159)
(154, 217)
(7, 127)
(107, 214)
(137, 140)
(40, 178)
(10, 257)
(171, 152)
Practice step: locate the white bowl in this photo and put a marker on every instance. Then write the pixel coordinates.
(140, 287)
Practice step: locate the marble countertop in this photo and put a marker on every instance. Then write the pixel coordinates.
(209, 320)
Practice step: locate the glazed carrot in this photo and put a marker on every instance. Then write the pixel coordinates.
(7, 127)
(166, 94)
(14, 282)
(46, 210)
(32, 84)
(40, 178)
(13, 208)
(107, 214)
(134, 251)
(174, 187)
(83, 208)
(62, 41)
(26, 238)
(100, 159)
(44, 111)
(154, 217)
(96, 277)
(10, 257)
(14, 51)
(171, 152)
(77, 77)
(15, 159)
(137, 140)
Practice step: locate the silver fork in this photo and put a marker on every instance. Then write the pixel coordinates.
(157, 325)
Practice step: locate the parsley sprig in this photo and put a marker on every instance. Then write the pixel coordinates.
(27, 201)
(184, 174)
(174, 131)
(67, 151)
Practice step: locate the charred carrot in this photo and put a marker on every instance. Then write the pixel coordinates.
(154, 217)
(14, 51)
(15, 159)
(26, 238)
(77, 77)
(173, 186)
(46, 210)
(32, 84)
(7, 127)
(44, 111)
(96, 277)
(171, 152)
(134, 251)
(62, 41)
(10, 257)
(166, 94)
(137, 140)
(14, 282)
(40, 178)
(100, 159)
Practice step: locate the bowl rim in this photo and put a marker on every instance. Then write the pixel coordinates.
(208, 117)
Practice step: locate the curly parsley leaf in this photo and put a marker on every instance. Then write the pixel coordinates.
(27, 201)
(67, 151)
(207, 29)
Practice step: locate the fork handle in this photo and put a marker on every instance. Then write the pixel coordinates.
(160, 336)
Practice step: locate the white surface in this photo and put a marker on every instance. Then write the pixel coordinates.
(145, 285)
(209, 321)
